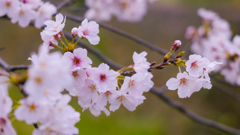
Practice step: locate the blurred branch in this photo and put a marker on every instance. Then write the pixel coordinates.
(10, 68)
(122, 33)
(233, 95)
(105, 59)
(1, 48)
(193, 116)
(64, 3)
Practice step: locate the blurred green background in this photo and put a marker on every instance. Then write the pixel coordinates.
(165, 22)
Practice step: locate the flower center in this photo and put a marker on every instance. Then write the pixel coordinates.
(21, 13)
(24, 1)
(183, 81)
(108, 93)
(92, 87)
(194, 65)
(86, 32)
(131, 83)
(124, 5)
(103, 77)
(32, 107)
(8, 4)
(121, 98)
(56, 27)
(38, 80)
(75, 74)
(2, 123)
(76, 61)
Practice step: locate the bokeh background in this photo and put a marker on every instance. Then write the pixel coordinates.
(165, 22)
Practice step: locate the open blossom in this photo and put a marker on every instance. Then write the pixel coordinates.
(8, 7)
(6, 127)
(54, 27)
(105, 78)
(185, 84)
(44, 13)
(196, 65)
(140, 62)
(137, 84)
(23, 15)
(32, 110)
(120, 97)
(78, 58)
(89, 30)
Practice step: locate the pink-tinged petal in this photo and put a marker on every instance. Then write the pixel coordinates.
(59, 18)
(173, 84)
(183, 92)
(114, 105)
(3, 11)
(68, 55)
(130, 103)
(94, 40)
(84, 23)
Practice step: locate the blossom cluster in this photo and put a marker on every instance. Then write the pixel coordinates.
(25, 11)
(213, 41)
(5, 106)
(51, 73)
(196, 77)
(124, 10)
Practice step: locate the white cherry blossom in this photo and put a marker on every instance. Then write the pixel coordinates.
(89, 30)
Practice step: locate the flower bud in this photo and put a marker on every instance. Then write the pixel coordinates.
(74, 32)
(176, 45)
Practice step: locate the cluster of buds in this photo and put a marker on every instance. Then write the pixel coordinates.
(24, 11)
(213, 41)
(124, 10)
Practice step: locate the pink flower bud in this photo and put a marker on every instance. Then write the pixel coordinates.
(74, 31)
(176, 45)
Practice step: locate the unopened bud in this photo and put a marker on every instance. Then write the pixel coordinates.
(176, 45)
(190, 32)
(74, 32)
(167, 57)
(57, 37)
(180, 54)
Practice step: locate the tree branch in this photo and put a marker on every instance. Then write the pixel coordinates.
(193, 116)
(234, 95)
(10, 68)
(122, 33)
(105, 59)
(64, 3)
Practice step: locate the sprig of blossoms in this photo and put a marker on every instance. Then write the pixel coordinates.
(124, 10)
(6, 127)
(25, 11)
(213, 41)
(196, 77)
(95, 87)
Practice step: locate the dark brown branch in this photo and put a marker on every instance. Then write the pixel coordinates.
(64, 3)
(193, 116)
(105, 59)
(10, 68)
(122, 33)
(233, 95)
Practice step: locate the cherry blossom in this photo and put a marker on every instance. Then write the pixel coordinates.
(54, 27)
(89, 30)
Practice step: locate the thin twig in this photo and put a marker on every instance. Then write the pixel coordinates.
(105, 59)
(10, 68)
(193, 116)
(64, 3)
(122, 33)
(233, 95)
